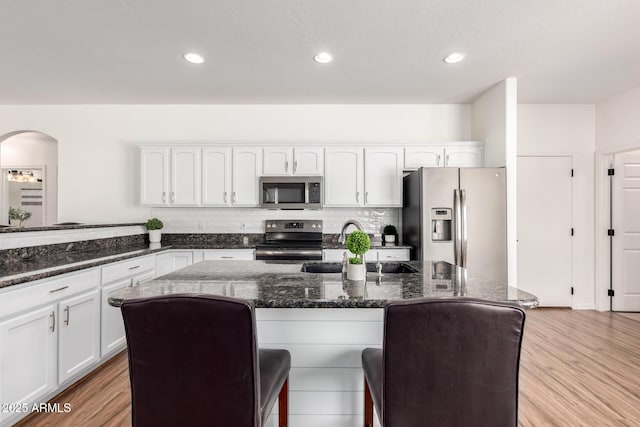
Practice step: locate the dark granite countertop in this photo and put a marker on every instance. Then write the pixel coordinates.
(281, 284)
(43, 267)
(63, 226)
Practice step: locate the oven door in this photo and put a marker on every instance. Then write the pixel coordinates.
(288, 254)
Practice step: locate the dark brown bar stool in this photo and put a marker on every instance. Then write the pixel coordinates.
(445, 362)
(193, 361)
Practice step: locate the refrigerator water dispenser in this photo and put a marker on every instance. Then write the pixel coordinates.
(441, 224)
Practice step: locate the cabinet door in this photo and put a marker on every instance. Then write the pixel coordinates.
(463, 157)
(247, 168)
(171, 261)
(277, 161)
(154, 179)
(308, 161)
(185, 176)
(216, 176)
(79, 334)
(229, 254)
(112, 325)
(28, 357)
(383, 176)
(343, 176)
(428, 157)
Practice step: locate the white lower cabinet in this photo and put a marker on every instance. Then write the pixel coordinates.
(79, 334)
(398, 254)
(171, 261)
(28, 355)
(112, 336)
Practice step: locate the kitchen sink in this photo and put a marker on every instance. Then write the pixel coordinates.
(336, 267)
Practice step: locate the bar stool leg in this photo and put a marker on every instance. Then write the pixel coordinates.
(283, 404)
(368, 406)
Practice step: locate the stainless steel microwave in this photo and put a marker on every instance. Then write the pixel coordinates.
(291, 192)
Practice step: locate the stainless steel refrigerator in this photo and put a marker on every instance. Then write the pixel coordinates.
(458, 215)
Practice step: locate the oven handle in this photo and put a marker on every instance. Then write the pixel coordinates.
(297, 252)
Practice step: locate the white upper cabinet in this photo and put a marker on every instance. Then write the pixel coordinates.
(463, 157)
(154, 164)
(216, 176)
(434, 156)
(343, 177)
(429, 157)
(293, 161)
(308, 161)
(170, 176)
(185, 176)
(278, 161)
(247, 168)
(383, 176)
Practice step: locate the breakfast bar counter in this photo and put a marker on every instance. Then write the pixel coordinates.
(284, 284)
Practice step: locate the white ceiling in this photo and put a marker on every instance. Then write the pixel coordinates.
(260, 51)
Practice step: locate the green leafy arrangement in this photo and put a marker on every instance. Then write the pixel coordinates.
(18, 214)
(358, 243)
(154, 224)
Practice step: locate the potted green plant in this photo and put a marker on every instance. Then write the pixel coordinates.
(18, 215)
(154, 225)
(358, 243)
(390, 234)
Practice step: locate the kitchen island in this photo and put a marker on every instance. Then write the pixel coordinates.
(323, 320)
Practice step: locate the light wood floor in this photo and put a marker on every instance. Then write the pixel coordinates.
(578, 368)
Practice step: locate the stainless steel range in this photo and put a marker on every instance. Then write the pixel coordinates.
(291, 240)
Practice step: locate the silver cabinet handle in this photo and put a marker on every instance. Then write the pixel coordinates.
(225, 197)
(446, 161)
(226, 257)
(357, 196)
(164, 197)
(366, 197)
(173, 197)
(295, 166)
(438, 159)
(233, 197)
(134, 267)
(67, 310)
(58, 290)
(53, 321)
(286, 166)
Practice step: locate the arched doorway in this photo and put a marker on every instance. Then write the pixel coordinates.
(29, 165)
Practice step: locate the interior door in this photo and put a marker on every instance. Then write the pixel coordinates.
(544, 228)
(626, 242)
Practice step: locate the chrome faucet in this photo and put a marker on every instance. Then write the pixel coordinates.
(379, 267)
(347, 223)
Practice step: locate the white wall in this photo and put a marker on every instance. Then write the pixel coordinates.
(558, 130)
(618, 122)
(494, 121)
(98, 175)
(35, 149)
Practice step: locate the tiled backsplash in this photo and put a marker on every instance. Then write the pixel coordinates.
(251, 220)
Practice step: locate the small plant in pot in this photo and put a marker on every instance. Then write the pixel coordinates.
(390, 234)
(358, 243)
(154, 225)
(18, 215)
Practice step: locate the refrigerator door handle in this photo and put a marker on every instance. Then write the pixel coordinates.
(463, 239)
(457, 239)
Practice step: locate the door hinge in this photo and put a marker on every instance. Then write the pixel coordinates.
(572, 290)
(611, 171)
(572, 173)
(572, 231)
(610, 232)
(611, 293)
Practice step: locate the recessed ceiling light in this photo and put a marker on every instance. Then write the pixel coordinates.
(454, 58)
(194, 58)
(323, 58)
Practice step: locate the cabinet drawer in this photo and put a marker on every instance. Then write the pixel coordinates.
(128, 268)
(228, 254)
(389, 255)
(47, 291)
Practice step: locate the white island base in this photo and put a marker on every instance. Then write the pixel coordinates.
(326, 383)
